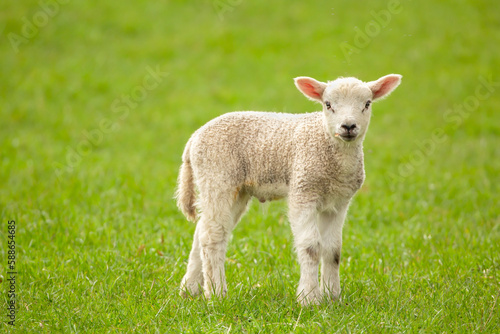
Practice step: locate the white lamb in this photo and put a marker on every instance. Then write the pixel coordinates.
(314, 159)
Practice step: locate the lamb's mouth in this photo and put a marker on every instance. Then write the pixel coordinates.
(346, 137)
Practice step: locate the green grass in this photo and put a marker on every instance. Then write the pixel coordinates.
(102, 247)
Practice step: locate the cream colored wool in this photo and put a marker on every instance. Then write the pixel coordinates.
(314, 160)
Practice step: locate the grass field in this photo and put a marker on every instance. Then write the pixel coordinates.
(99, 98)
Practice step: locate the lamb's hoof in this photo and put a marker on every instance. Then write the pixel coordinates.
(331, 294)
(314, 297)
(215, 293)
(190, 288)
(187, 293)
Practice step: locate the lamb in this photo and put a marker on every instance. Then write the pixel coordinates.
(315, 160)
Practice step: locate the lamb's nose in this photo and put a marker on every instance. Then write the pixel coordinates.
(349, 127)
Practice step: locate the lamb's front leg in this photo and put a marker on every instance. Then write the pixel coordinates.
(303, 220)
(330, 225)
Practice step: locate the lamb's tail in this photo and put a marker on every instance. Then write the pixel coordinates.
(186, 193)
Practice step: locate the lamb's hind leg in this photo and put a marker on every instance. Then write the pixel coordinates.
(192, 283)
(217, 222)
(240, 206)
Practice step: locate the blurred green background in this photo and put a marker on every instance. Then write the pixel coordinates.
(99, 98)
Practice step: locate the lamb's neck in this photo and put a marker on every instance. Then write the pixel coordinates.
(353, 148)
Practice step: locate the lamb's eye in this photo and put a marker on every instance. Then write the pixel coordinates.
(367, 105)
(328, 105)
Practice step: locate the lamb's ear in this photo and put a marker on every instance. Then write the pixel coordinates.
(311, 88)
(384, 86)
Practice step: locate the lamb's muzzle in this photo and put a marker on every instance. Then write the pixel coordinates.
(314, 160)
(349, 132)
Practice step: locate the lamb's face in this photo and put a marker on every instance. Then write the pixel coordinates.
(347, 108)
(347, 102)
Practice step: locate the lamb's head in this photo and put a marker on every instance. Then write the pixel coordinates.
(347, 102)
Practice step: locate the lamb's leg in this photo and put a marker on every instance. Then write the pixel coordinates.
(240, 206)
(213, 240)
(193, 280)
(216, 225)
(330, 224)
(303, 220)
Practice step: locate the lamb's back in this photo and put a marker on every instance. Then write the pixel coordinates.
(255, 148)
